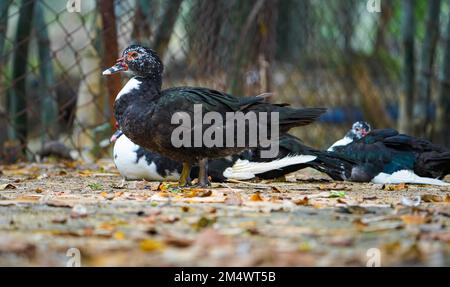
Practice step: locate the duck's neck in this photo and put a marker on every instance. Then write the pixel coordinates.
(136, 97)
(150, 86)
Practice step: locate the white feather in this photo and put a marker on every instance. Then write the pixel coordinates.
(406, 176)
(132, 84)
(125, 161)
(244, 169)
(342, 142)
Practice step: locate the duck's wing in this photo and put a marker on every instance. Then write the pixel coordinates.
(211, 100)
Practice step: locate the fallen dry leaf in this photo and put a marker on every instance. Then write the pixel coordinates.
(59, 203)
(233, 198)
(304, 201)
(334, 186)
(432, 198)
(256, 197)
(395, 187)
(7, 186)
(200, 192)
(354, 209)
(39, 190)
(150, 245)
(415, 219)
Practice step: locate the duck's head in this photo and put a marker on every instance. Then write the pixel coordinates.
(138, 60)
(359, 130)
(117, 134)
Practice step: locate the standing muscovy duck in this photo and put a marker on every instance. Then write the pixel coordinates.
(135, 162)
(386, 156)
(145, 113)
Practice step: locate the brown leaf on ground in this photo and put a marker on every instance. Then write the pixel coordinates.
(59, 203)
(354, 209)
(39, 190)
(256, 197)
(395, 187)
(432, 198)
(7, 186)
(303, 201)
(276, 189)
(233, 198)
(197, 192)
(415, 219)
(177, 241)
(334, 186)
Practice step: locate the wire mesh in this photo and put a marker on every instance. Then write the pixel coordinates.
(333, 54)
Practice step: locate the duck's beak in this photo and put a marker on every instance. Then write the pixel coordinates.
(115, 136)
(120, 66)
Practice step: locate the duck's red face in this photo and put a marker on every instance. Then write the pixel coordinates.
(139, 60)
(360, 129)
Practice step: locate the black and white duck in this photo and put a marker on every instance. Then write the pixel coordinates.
(386, 156)
(145, 113)
(135, 162)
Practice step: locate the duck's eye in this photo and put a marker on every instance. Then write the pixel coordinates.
(133, 55)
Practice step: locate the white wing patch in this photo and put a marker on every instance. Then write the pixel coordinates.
(342, 142)
(406, 176)
(244, 169)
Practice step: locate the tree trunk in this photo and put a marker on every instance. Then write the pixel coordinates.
(143, 21)
(422, 115)
(110, 51)
(17, 103)
(4, 8)
(443, 106)
(49, 105)
(255, 50)
(382, 32)
(407, 97)
(205, 27)
(165, 29)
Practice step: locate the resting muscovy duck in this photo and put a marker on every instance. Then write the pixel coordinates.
(135, 162)
(359, 130)
(386, 156)
(145, 112)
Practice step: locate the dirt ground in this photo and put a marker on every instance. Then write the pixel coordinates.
(47, 210)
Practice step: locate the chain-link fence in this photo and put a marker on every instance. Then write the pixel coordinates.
(343, 55)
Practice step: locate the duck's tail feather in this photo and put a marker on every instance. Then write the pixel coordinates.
(406, 176)
(244, 169)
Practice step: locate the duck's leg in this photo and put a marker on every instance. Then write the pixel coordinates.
(203, 180)
(185, 175)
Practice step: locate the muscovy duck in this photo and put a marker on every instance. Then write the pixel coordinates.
(359, 130)
(145, 113)
(386, 156)
(135, 162)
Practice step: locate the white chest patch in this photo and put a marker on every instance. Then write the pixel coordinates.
(132, 84)
(124, 154)
(342, 142)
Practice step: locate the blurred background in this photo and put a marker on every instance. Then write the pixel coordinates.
(389, 65)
